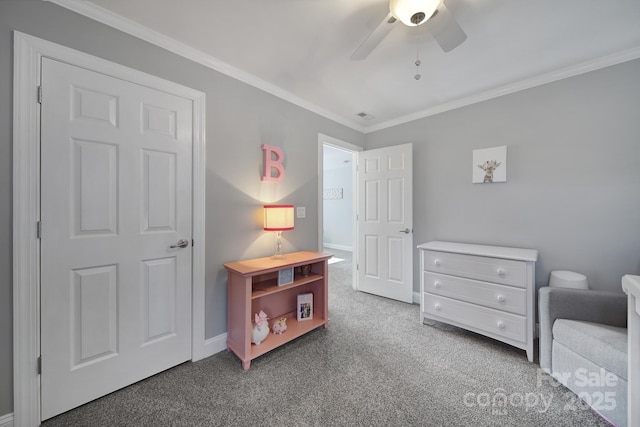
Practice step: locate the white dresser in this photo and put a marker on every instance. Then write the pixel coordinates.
(485, 289)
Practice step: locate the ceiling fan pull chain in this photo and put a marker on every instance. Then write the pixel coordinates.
(418, 62)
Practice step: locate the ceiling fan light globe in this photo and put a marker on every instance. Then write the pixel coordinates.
(404, 10)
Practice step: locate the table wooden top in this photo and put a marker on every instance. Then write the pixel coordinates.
(252, 267)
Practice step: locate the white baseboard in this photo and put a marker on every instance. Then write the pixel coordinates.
(212, 346)
(338, 247)
(6, 420)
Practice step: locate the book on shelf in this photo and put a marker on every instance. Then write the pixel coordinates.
(305, 307)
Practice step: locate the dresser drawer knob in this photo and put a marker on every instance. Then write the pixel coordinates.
(437, 306)
(501, 324)
(437, 263)
(501, 298)
(501, 272)
(437, 284)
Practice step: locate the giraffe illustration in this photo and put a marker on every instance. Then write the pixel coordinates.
(489, 167)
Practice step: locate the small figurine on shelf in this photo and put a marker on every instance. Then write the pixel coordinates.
(280, 325)
(260, 328)
(306, 270)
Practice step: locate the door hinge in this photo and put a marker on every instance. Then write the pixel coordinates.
(193, 243)
(39, 229)
(39, 94)
(39, 368)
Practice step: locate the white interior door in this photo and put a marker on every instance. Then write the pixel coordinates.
(385, 222)
(115, 196)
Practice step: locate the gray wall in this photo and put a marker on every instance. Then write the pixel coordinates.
(573, 176)
(239, 119)
(337, 213)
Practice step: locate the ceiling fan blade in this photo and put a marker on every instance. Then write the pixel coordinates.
(445, 29)
(374, 38)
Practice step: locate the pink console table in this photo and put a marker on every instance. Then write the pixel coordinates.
(253, 286)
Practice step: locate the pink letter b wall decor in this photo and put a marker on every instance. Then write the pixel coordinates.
(272, 164)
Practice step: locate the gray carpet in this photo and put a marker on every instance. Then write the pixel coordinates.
(376, 365)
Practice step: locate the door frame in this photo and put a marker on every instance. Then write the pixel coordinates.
(28, 51)
(354, 149)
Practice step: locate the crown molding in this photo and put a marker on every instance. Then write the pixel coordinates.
(137, 30)
(92, 11)
(571, 71)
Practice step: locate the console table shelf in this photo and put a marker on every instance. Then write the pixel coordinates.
(294, 330)
(253, 286)
(268, 287)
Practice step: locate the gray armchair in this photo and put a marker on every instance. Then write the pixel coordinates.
(583, 344)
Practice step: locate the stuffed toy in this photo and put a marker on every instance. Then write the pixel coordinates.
(260, 328)
(280, 325)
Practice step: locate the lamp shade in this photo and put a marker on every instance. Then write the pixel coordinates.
(278, 217)
(404, 10)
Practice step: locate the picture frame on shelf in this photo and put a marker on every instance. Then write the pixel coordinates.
(305, 307)
(285, 276)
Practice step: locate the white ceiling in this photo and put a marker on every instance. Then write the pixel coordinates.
(300, 49)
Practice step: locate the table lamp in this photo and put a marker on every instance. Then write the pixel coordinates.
(278, 218)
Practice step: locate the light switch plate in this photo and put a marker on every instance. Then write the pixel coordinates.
(301, 212)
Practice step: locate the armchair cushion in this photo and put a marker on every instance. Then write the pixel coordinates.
(580, 337)
(607, 308)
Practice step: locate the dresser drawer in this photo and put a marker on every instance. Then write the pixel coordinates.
(486, 319)
(501, 297)
(504, 271)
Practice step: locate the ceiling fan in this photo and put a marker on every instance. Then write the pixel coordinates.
(441, 23)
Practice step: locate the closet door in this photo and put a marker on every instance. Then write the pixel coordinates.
(116, 200)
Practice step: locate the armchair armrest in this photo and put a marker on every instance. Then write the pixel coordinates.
(608, 308)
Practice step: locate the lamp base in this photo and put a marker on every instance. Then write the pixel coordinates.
(278, 254)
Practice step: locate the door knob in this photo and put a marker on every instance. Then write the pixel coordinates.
(182, 243)
(406, 231)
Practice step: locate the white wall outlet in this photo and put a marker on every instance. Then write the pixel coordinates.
(301, 212)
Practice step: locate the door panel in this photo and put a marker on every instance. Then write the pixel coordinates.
(160, 287)
(115, 195)
(158, 193)
(94, 188)
(385, 222)
(372, 201)
(395, 251)
(396, 202)
(94, 319)
(371, 256)
(87, 104)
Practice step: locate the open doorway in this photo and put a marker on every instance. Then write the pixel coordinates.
(337, 196)
(337, 200)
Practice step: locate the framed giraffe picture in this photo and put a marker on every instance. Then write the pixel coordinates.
(489, 165)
